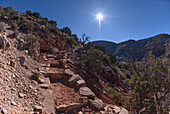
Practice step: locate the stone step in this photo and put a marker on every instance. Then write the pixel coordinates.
(45, 64)
(55, 73)
(56, 63)
(58, 57)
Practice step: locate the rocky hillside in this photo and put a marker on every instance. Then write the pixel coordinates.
(41, 71)
(137, 49)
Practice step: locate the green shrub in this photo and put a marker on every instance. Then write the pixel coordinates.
(32, 38)
(13, 26)
(113, 59)
(83, 57)
(106, 59)
(17, 18)
(28, 12)
(23, 19)
(95, 58)
(27, 27)
(36, 15)
(44, 22)
(75, 37)
(35, 76)
(70, 42)
(8, 10)
(117, 97)
(2, 12)
(101, 48)
(54, 23)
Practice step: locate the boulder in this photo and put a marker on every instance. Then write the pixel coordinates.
(80, 83)
(74, 79)
(97, 103)
(68, 72)
(85, 91)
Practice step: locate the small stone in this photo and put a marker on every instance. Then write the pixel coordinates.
(41, 80)
(38, 108)
(13, 89)
(13, 103)
(34, 82)
(21, 95)
(12, 63)
(13, 76)
(1, 65)
(4, 111)
(22, 60)
(80, 112)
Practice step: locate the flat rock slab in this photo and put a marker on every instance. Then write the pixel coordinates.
(46, 86)
(85, 91)
(74, 79)
(69, 107)
(48, 102)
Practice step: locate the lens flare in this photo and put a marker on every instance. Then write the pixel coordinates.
(99, 16)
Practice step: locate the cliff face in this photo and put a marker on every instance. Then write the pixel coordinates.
(137, 49)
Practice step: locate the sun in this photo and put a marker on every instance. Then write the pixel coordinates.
(99, 16)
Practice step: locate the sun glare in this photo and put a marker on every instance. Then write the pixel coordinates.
(99, 16)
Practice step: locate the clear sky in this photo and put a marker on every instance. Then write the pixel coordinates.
(123, 19)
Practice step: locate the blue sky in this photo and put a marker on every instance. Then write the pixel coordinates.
(123, 19)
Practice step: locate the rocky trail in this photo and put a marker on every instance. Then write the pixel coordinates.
(59, 88)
